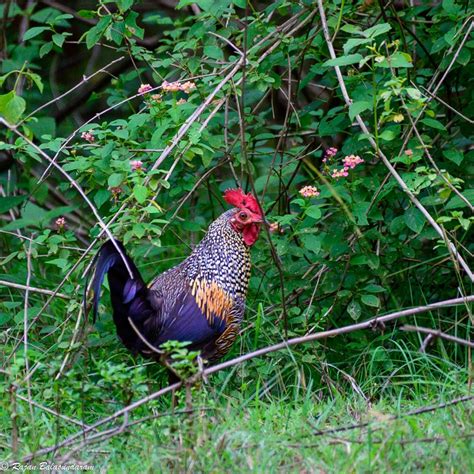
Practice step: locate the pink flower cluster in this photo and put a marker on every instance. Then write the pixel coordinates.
(340, 173)
(176, 86)
(351, 161)
(329, 153)
(136, 165)
(274, 227)
(309, 192)
(88, 137)
(144, 88)
(60, 223)
(116, 190)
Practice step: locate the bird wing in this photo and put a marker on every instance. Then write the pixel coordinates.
(201, 314)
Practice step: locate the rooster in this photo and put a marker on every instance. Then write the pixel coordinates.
(200, 301)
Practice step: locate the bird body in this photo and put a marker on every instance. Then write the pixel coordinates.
(201, 300)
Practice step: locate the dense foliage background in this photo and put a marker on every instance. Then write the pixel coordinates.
(138, 115)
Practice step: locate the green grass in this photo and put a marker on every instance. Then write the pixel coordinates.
(275, 437)
(245, 421)
(280, 437)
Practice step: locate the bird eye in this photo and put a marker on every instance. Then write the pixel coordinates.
(243, 215)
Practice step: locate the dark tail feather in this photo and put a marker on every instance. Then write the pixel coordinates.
(129, 296)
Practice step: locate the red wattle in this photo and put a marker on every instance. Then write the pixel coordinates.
(250, 234)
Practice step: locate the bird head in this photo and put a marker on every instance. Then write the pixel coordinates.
(247, 216)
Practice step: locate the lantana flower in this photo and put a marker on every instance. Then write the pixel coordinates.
(329, 153)
(351, 161)
(144, 88)
(274, 228)
(340, 173)
(136, 165)
(309, 191)
(188, 87)
(60, 223)
(88, 137)
(171, 86)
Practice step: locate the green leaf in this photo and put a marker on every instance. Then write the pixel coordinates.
(12, 107)
(433, 123)
(372, 288)
(343, 60)
(360, 210)
(36, 78)
(353, 43)
(214, 52)
(96, 32)
(139, 230)
(58, 40)
(454, 155)
(35, 31)
(9, 202)
(413, 93)
(377, 30)
(356, 108)
(387, 135)
(141, 193)
(125, 4)
(368, 259)
(352, 29)
(115, 180)
(456, 202)
(101, 197)
(414, 219)
(45, 49)
(314, 212)
(354, 309)
(311, 242)
(370, 300)
(464, 57)
(397, 59)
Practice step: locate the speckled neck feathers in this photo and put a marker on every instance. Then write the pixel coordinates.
(222, 257)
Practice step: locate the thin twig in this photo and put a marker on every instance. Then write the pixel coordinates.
(441, 101)
(418, 411)
(79, 84)
(438, 333)
(52, 412)
(25, 323)
(43, 291)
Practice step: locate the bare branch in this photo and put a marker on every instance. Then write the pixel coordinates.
(438, 333)
(79, 84)
(33, 289)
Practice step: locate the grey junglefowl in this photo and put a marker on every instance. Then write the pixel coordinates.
(201, 300)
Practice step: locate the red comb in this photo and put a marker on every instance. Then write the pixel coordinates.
(237, 198)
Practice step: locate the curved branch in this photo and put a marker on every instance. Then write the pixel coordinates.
(438, 333)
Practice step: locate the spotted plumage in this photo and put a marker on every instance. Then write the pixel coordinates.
(201, 300)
